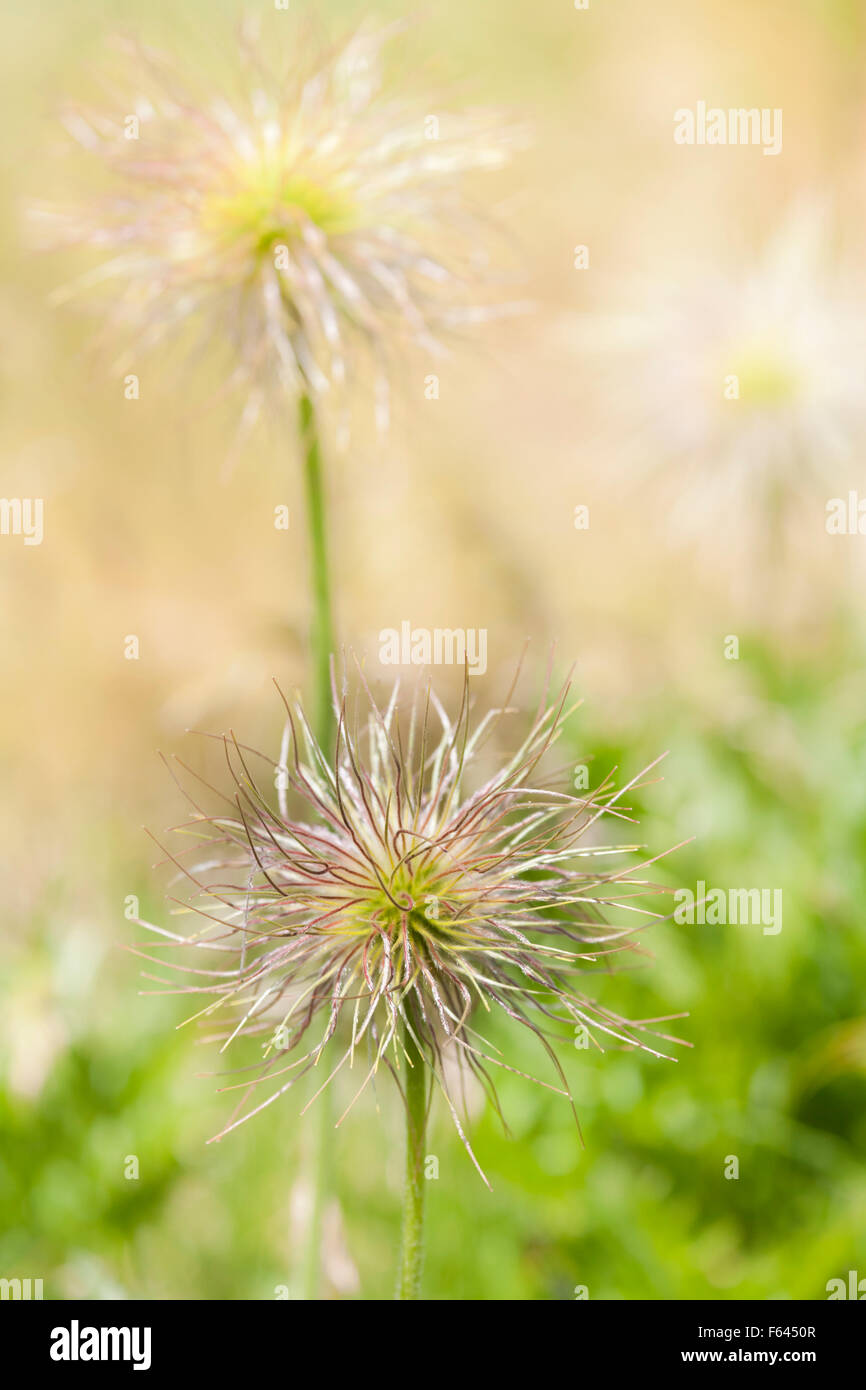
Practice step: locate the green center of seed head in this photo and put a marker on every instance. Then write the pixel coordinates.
(419, 901)
(767, 375)
(268, 202)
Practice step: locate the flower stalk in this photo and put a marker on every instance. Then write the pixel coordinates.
(412, 1243)
(322, 715)
(322, 632)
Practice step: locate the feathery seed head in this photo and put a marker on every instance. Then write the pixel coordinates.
(744, 389)
(311, 220)
(414, 893)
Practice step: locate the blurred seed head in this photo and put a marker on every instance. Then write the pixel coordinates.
(307, 217)
(737, 392)
(415, 890)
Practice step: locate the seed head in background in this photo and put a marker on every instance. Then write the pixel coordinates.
(410, 896)
(737, 393)
(306, 218)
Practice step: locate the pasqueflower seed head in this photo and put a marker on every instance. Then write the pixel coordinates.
(306, 217)
(404, 890)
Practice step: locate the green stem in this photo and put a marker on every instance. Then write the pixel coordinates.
(324, 727)
(412, 1247)
(322, 1182)
(322, 635)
